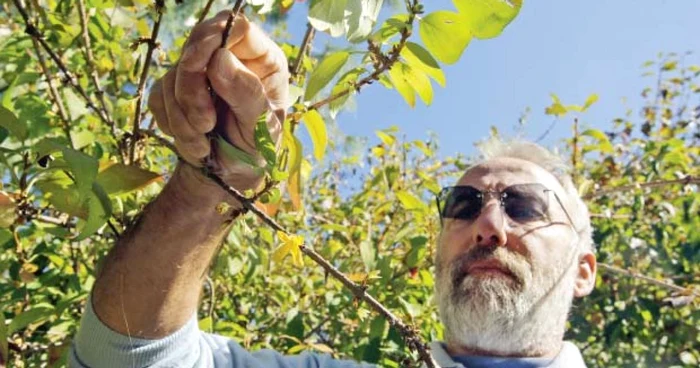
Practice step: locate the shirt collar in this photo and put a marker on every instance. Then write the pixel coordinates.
(569, 357)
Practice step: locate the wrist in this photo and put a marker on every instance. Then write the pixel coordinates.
(190, 184)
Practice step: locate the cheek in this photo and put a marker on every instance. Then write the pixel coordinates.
(548, 248)
(454, 239)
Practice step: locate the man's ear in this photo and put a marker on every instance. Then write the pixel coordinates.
(585, 278)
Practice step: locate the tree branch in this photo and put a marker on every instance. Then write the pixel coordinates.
(647, 279)
(91, 65)
(152, 44)
(305, 45)
(409, 334)
(383, 62)
(58, 101)
(160, 139)
(32, 31)
(689, 179)
(205, 11)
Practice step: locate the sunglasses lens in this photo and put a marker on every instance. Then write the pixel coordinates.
(526, 202)
(461, 203)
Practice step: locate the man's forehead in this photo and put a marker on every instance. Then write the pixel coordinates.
(498, 173)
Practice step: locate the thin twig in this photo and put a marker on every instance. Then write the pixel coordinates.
(58, 101)
(303, 49)
(546, 132)
(90, 60)
(383, 63)
(229, 22)
(54, 221)
(651, 280)
(160, 139)
(652, 184)
(574, 152)
(205, 11)
(31, 30)
(152, 44)
(608, 216)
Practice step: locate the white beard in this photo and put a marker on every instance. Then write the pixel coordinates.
(522, 316)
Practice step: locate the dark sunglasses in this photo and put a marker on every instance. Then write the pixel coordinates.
(523, 203)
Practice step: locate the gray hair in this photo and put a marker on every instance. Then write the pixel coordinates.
(496, 148)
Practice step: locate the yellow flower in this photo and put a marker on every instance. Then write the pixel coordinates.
(290, 245)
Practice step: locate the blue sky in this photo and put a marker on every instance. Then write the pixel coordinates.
(571, 48)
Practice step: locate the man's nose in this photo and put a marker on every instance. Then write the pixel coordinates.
(489, 229)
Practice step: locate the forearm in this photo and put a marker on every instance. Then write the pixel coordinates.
(150, 282)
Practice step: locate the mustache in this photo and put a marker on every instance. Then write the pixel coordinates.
(516, 264)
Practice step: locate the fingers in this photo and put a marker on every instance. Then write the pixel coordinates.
(206, 38)
(242, 90)
(272, 70)
(191, 144)
(157, 107)
(191, 89)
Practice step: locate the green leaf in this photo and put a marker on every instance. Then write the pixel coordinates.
(420, 83)
(84, 169)
(4, 357)
(99, 211)
(602, 138)
(328, 16)
(345, 82)
(419, 58)
(443, 33)
(264, 143)
(76, 105)
(361, 18)
(593, 98)
(38, 314)
(417, 252)
(556, 108)
(398, 80)
(5, 236)
(386, 138)
(488, 18)
(49, 145)
(313, 121)
(9, 121)
(236, 154)
(63, 198)
(119, 179)
(390, 27)
(324, 72)
(294, 150)
(262, 6)
(368, 253)
(410, 202)
(338, 17)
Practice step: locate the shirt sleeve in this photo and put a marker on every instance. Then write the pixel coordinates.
(97, 346)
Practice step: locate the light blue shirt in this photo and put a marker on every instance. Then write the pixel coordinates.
(97, 346)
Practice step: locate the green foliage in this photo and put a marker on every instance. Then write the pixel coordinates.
(69, 187)
(651, 231)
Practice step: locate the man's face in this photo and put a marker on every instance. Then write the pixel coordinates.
(496, 273)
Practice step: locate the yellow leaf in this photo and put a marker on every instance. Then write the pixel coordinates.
(313, 121)
(7, 210)
(26, 273)
(294, 190)
(357, 277)
(322, 348)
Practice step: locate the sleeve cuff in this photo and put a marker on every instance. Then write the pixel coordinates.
(96, 345)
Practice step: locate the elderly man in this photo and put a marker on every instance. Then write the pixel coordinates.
(514, 250)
